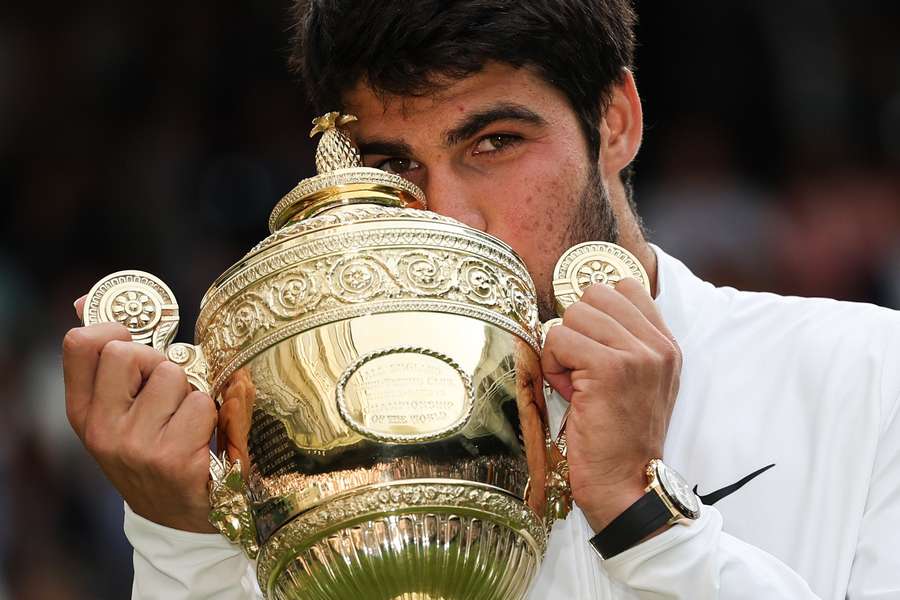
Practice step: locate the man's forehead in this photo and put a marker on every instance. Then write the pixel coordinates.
(451, 100)
(493, 82)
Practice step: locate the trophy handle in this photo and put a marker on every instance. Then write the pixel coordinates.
(191, 359)
(559, 491)
(229, 511)
(145, 305)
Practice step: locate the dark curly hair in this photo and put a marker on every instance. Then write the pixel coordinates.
(407, 47)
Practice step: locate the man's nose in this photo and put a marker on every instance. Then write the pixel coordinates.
(450, 196)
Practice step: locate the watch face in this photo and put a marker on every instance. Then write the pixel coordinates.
(678, 491)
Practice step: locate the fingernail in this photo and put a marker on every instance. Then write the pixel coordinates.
(75, 306)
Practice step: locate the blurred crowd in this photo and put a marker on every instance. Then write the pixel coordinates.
(159, 135)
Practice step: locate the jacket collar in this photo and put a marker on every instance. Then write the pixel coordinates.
(681, 297)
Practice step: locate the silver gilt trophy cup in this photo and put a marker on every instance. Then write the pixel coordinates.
(382, 424)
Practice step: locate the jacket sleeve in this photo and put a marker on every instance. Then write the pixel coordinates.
(701, 562)
(179, 565)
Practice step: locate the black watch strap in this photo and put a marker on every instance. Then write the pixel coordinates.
(637, 522)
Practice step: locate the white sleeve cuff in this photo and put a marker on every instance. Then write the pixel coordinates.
(623, 564)
(180, 565)
(698, 561)
(677, 564)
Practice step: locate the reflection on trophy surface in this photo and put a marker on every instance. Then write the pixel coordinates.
(382, 424)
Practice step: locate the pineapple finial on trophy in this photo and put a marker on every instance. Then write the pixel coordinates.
(335, 150)
(341, 179)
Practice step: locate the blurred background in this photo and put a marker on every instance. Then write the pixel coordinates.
(159, 135)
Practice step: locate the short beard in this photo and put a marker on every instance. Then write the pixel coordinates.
(593, 220)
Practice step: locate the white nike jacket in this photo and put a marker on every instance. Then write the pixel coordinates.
(810, 385)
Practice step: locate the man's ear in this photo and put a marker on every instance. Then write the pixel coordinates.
(621, 127)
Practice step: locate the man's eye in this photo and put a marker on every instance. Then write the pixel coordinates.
(495, 143)
(398, 166)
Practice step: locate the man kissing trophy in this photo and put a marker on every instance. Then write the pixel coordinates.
(476, 400)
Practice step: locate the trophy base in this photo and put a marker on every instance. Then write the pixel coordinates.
(481, 552)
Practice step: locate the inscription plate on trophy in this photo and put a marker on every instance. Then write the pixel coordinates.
(405, 395)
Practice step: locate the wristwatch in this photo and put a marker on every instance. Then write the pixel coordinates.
(668, 500)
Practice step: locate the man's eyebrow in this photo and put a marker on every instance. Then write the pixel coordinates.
(475, 122)
(471, 125)
(384, 147)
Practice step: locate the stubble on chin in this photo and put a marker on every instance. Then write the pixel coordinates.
(592, 220)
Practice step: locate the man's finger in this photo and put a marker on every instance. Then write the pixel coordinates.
(121, 372)
(161, 396)
(194, 421)
(565, 351)
(638, 296)
(568, 350)
(597, 325)
(621, 308)
(81, 353)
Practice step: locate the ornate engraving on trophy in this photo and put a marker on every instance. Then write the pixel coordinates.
(139, 301)
(405, 395)
(309, 283)
(590, 263)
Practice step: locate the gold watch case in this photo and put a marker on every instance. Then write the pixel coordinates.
(673, 490)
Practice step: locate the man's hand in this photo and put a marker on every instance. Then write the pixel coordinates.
(616, 362)
(137, 415)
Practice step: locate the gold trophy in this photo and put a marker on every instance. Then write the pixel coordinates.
(382, 420)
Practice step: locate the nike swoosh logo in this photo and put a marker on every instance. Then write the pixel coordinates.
(713, 497)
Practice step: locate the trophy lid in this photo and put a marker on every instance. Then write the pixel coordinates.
(341, 179)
